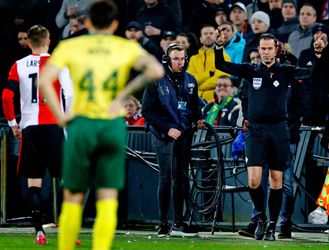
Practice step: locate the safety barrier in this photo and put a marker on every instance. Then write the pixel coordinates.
(142, 183)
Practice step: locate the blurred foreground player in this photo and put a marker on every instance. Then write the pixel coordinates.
(99, 64)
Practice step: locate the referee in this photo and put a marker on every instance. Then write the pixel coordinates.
(267, 138)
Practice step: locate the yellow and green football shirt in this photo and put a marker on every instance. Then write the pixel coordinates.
(99, 66)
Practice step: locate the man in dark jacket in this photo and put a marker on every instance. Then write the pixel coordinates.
(156, 18)
(170, 107)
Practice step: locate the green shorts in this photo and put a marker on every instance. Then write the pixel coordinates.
(94, 153)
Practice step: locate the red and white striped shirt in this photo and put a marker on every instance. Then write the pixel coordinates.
(34, 111)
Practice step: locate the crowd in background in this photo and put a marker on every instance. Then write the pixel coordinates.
(157, 23)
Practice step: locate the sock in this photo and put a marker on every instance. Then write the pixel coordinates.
(257, 197)
(105, 224)
(34, 199)
(69, 225)
(274, 204)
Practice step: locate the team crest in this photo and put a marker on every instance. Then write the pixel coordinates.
(190, 86)
(257, 83)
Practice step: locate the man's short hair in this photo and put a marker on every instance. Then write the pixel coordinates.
(207, 25)
(268, 36)
(102, 13)
(38, 36)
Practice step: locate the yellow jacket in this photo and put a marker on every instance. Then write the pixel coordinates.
(200, 66)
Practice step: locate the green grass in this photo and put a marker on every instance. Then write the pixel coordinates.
(145, 242)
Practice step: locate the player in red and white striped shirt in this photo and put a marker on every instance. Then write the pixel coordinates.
(40, 137)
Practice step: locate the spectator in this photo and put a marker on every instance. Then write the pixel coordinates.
(134, 32)
(257, 5)
(316, 89)
(290, 20)
(202, 65)
(133, 112)
(77, 25)
(260, 25)
(301, 38)
(221, 15)
(233, 42)
(225, 109)
(168, 37)
(316, 105)
(202, 12)
(22, 48)
(275, 14)
(189, 42)
(238, 16)
(170, 108)
(155, 19)
(69, 8)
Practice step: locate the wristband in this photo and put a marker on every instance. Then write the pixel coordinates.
(12, 123)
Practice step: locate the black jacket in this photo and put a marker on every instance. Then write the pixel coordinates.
(267, 92)
(316, 89)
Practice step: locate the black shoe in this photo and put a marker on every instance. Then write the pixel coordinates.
(163, 230)
(249, 231)
(182, 230)
(285, 231)
(260, 229)
(270, 235)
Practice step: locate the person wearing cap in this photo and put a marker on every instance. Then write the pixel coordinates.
(301, 38)
(238, 16)
(168, 37)
(202, 65)
(260, 24)
(290, 20)
(267, 138)
(220, 15)
(134, 32)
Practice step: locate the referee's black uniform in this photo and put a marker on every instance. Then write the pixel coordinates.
(267, 108)
(267, 138)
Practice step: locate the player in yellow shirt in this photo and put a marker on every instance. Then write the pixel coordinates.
(99, 64)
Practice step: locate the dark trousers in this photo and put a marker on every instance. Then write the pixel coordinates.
(173, 159)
